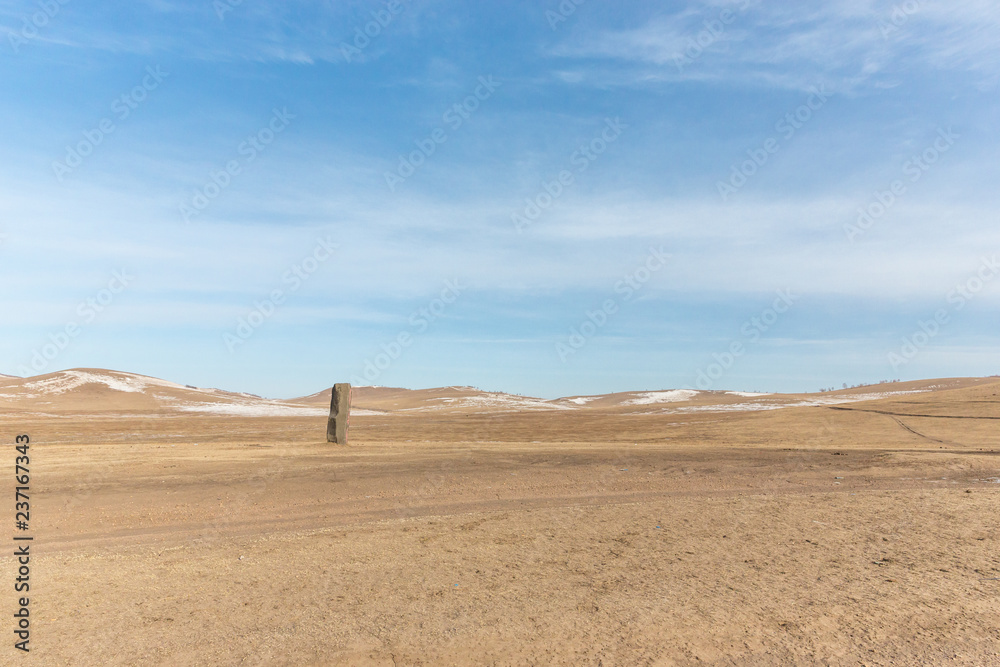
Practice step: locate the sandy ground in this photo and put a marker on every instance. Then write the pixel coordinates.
(837, 535)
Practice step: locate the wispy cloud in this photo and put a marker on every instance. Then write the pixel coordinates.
(844, 43)
(297, 32)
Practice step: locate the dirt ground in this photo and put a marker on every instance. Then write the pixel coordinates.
(842, 535)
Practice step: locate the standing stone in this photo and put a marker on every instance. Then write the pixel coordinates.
(340, 414)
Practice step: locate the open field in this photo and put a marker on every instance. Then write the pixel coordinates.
(626, 532)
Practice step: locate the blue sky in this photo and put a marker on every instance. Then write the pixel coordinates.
(522, 197)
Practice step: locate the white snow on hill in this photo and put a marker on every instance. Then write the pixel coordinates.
(581, 400)
(777, 405)
(255, 409)
(265, 408)
(653, 397)
(499, 400)
(69, 380)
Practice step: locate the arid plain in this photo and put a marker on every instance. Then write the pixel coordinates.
(184, 526)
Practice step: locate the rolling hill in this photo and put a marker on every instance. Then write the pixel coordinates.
(86, 390)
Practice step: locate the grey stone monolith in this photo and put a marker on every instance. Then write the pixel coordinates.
(340, 414)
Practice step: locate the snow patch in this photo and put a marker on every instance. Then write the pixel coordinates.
(125, 382)
(734, 407)
(855, 398)
(262, 409)
(653, 397)
(815, 402)
(581, 400)
(498, 400)
(747, 394)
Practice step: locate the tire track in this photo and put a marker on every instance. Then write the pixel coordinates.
(918, 433)
(905, 414)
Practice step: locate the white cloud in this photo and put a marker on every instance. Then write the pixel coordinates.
(848, 44)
